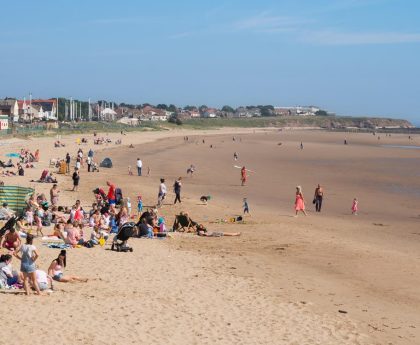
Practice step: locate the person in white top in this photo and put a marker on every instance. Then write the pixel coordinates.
(44, 281)
(89, 162)
(139, 166)
(162, 192)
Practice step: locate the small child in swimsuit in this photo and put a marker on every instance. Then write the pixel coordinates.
(139, 204)
(246, 206)
(354, 207)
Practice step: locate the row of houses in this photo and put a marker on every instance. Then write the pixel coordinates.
(27, 111)
(33, 110)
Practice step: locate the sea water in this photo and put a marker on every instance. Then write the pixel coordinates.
(402, 147)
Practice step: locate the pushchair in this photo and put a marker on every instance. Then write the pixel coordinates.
(119, 243)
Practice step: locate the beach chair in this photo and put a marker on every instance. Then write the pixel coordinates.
(183, 223)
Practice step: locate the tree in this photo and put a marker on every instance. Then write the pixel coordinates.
(228, 109)
(321, 113)
(172, 108)
(190, 107)
(203, 108)
(266, 110)
(175, 119)
(162, 106)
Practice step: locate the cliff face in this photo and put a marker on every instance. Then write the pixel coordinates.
(369, 123)
(340, 122)
(330, 122)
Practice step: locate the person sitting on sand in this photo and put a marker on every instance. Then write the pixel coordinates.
(44, 280)
(21, 171)
(8, 276)
(58, 216)
(11, 240)
(122, 217)
(5, 212)
(21, 226)
(56, 270)
(58, 231)
(72, 237)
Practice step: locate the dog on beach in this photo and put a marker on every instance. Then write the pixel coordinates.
(205, 198)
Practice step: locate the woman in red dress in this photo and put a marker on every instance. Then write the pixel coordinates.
(299, 201)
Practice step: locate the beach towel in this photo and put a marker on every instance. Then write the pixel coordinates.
(57, 245)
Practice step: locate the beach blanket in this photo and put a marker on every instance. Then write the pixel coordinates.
(15, 197)
(13, 155)
(57, 245)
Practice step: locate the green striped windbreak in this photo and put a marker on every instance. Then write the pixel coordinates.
(15, 197)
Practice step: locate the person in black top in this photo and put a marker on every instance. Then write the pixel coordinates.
(68, 162)
(21, 172)
(177, 190)
(76, 179)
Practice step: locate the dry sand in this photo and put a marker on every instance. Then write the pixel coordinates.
(283, 281)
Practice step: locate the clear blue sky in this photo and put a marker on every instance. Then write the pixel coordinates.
(355, 57)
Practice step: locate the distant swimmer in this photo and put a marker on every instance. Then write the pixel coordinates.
(235, 156)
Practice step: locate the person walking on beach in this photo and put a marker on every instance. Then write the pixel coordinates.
(111, 193)
(301, 145)
(177, 190)
(299, 201)
(162, 192)
(139, 166)
(246, 206)
(68, 159)
(89, 162)
(355, 207)
(235, 156)
(243, 176)
(76, 180)
(318, 196)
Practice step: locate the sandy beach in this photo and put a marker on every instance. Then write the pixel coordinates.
(327, 278)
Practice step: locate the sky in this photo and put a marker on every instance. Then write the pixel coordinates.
(352, 57)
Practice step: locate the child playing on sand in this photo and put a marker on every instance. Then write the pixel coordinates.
(38, 221)
(139, 205)
(354, 207)
(29, 218)
(129, 206)
(246, 206)
(129, 170)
